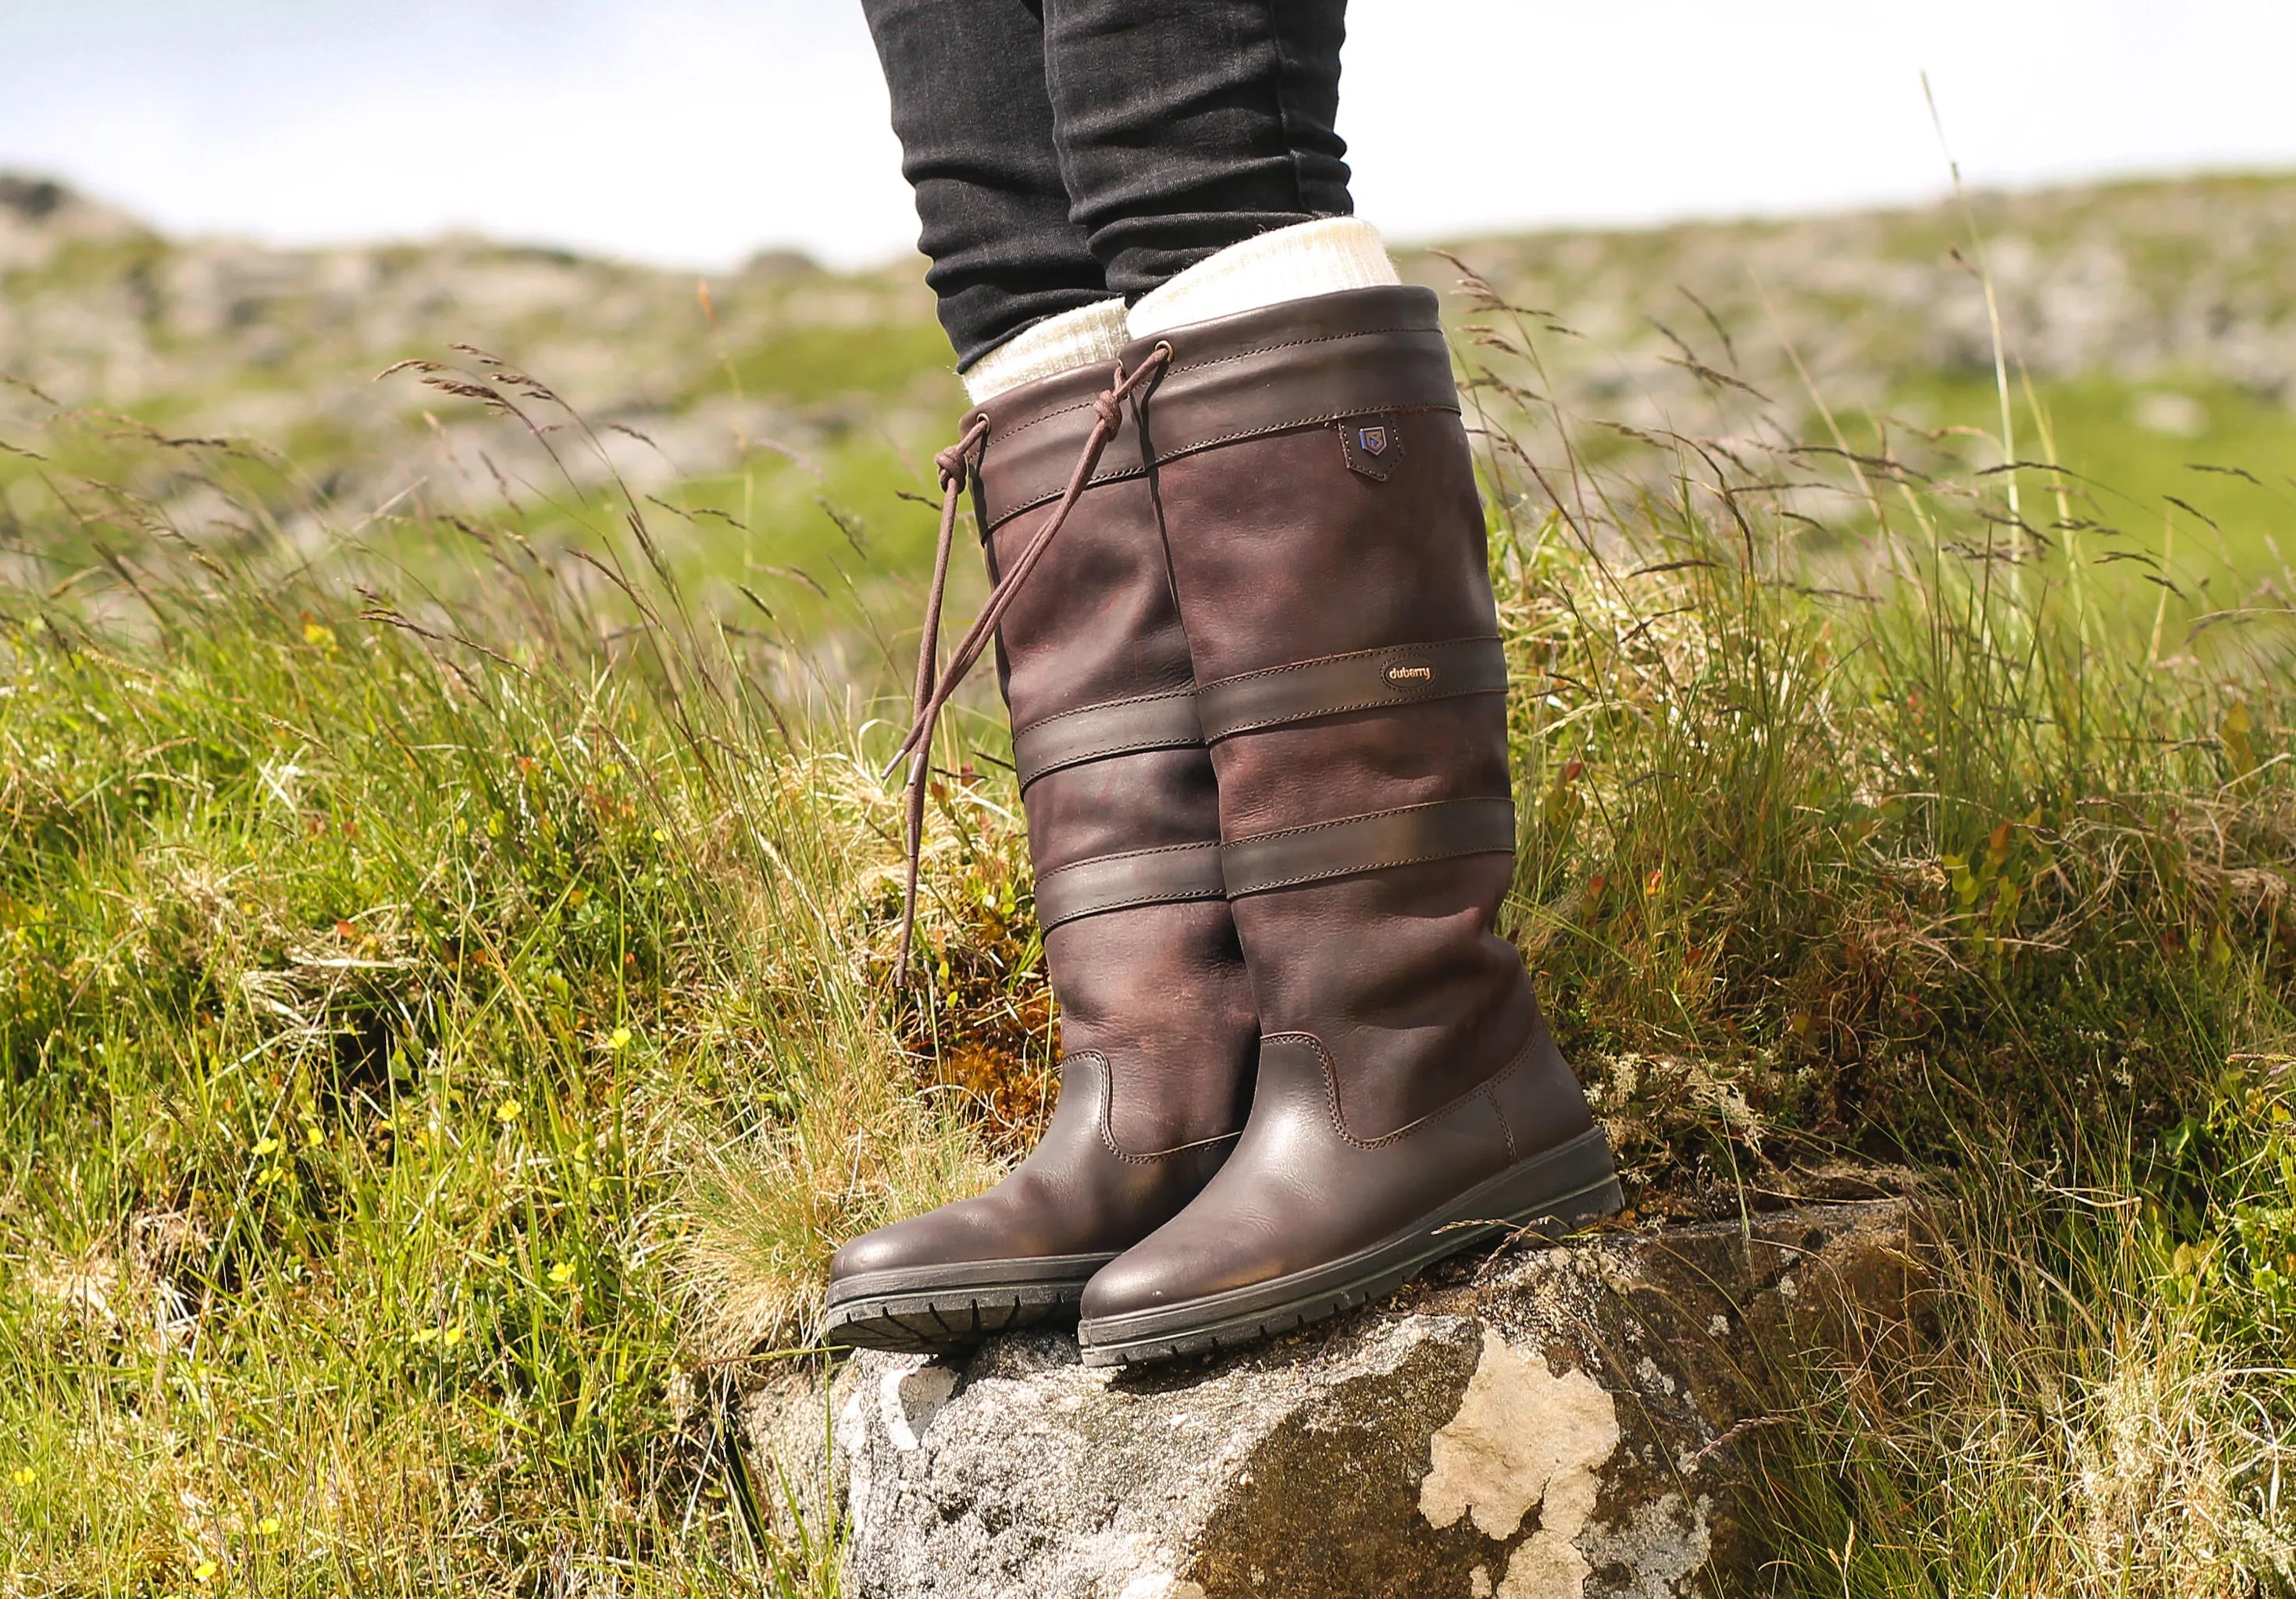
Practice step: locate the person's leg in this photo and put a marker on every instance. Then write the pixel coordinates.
(1157, 1024)
(966, 80)
(1185, 127)
(1318, 496)
(1158, 1030)
(1316, 490)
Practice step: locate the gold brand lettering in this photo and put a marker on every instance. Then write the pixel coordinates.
(1411, 674)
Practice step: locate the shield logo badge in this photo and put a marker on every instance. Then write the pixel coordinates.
(1372, 446)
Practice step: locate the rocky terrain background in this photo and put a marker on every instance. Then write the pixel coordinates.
(2186, 282)
(799, 404)
(221, 337)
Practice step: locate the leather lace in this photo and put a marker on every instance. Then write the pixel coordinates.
(935, 687)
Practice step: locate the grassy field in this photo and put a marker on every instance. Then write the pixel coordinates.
(445, 1024)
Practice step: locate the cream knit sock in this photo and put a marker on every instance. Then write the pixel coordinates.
(1093, 332)
(1322, 257)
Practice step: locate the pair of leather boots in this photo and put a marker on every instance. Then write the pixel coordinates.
(1258, 703)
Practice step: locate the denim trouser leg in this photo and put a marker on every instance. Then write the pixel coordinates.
(1062, 151)
(1187, 125)
(969, 106)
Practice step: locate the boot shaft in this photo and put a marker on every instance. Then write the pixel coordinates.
(1118, 790)
(1326, 539)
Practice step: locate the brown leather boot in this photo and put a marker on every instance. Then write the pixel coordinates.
(1156, 1013)
(1327, 545)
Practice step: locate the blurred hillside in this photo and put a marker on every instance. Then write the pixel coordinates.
(2154, 321)
(2186, 281)
(2150, 331)
(214, 336)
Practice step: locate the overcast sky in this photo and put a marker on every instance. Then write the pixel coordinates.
(692, 132)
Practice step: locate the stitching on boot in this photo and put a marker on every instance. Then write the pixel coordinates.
(1104, 706)
(1119, 855)
(1017, 429)
(1506, 1129)
(1488, 1086)
(1402, 649)
(1356, 871)
(1300, 424)
(1393, 810)
(1322, 712)
(1044, 877)
(1107, 1119)
(1265, 350)
(1097, 752)
(1112, 474)
(1080, 757)
(1107, 1127)
(1367, 867)
(1020, 428)
(1390, 702)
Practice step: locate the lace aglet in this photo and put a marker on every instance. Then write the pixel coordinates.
(915, 829)
(912, 747)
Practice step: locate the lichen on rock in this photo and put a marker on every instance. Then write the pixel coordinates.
(1524, 1438)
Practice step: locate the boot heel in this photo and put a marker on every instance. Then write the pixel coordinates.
(1553, 1192)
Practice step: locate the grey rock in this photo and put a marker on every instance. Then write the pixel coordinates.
(1568, 1420)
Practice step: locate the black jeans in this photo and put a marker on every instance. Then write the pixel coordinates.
(1066, 150)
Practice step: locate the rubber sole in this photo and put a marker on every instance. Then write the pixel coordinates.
(1499, 1207)
(924, 1310)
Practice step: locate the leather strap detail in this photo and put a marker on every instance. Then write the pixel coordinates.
(1165, 721)
(1365, 680)
(1117, 882)
(1370, 843)
(1375, 353)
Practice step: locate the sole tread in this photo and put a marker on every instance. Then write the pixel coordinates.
(925, 1323)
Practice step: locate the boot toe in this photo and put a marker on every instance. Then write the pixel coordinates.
(968, 1231)
(887, 1249)
(1021, 1218)
(1139, 1279)
(1175, 1266)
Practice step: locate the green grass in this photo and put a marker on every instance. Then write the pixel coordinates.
(828, 547)
(815, 363)
(1971, 855)
(2227, 453)
(370, 1013)
(2074, 1421)
(444, 1021)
